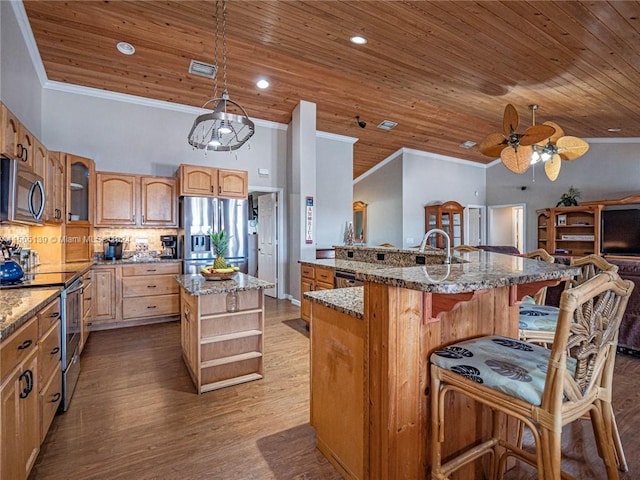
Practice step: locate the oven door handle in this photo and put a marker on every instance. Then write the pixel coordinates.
(74, 288)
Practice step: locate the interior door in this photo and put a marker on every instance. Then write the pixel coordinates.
(507, 226)
(267, 241)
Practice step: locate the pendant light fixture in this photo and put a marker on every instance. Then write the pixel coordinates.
(227, 126)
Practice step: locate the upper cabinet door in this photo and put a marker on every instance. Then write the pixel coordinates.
(39, 159)
(158, 202)
(200, 181)
(26, 145)
(116, 199)
(233, 183)
(80, 177)
(9, 134)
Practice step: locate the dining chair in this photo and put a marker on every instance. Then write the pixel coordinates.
(542, 255)
(545, 389)
(465, 248)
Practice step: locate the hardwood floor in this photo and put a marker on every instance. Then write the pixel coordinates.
(135, 415)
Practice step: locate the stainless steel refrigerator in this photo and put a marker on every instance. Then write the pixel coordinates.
(201, 215)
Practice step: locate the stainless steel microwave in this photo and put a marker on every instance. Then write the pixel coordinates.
(22, 196)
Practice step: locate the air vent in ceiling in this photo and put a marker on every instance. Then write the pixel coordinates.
(468, 144)
(203, 69)
(387, 124)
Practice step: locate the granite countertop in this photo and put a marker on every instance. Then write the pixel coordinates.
(346, 300)
(196, 284)
(479, 271)
(79, 268)
(136, 260)
(21, 304)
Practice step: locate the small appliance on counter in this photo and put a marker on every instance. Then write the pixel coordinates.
(112, 248)
(169, 246)
(10, 270)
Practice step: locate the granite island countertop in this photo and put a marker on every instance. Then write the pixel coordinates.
(136, 260)
(21, 304)
(348, 300)
(196, 284)
(474, 271)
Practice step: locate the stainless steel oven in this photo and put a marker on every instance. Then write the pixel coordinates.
(71, 318)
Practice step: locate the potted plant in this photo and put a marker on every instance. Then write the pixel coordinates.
(570, 198)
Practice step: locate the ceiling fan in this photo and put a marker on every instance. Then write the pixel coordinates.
(556, 148)
(515, 149)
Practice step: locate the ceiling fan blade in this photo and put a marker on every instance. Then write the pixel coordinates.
(493, 145)
(536, 134)
(559, 132)
(509, 120)
(517, 161)
(571, 148)
(552, 167)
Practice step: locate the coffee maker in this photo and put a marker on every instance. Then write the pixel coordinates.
(169, 246)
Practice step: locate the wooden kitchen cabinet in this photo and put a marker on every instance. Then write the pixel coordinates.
(313, 278)
(80, 178)
(10, 126)
(39, 164)
(149, 290)
(54, 188)
(135, 201)
(26, 145)
(19, 414)
(87, 308)
(212, 182)
(570, 231)
(222, 348)
(107, 295)
(116, 199)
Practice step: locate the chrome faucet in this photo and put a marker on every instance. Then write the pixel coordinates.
(447, 259)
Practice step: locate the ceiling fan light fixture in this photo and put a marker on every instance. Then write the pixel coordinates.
(226, 126)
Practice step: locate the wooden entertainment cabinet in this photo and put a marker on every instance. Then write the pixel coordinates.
(575, 231)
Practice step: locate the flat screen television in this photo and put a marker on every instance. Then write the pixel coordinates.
(620, 232)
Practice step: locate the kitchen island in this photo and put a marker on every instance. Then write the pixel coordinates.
(222, 326)
(372, 366)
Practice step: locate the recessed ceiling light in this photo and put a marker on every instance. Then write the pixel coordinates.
(468, 144)
(614, 130)
(262, 83)
(358, 40)
(126, 48)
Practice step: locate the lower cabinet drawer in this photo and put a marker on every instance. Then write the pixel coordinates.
(18, 347)
(49, 353)
(49, 315)
(149, 285)
(150, 306)
(49, 400)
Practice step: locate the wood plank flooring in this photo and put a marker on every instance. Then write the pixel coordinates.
(135, 415)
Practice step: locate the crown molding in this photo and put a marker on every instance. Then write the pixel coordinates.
(613, 140)
(336, 137)
(444, 158)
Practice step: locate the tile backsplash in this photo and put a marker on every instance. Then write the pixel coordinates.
(18, 233)
(129, 236)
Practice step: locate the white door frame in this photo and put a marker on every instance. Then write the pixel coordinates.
(281, 264)
(491, 208)
(483, 222)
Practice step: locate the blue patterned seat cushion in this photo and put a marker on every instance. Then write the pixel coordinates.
(538, 317)
(510, 366)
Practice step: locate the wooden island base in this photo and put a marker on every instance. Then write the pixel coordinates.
(222, 348)
(370, 399)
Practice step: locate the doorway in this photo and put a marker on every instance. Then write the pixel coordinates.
(265, 231)
(475, 229)
(507, 225)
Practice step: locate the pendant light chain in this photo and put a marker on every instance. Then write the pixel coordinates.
(224, 46)
(215, 54)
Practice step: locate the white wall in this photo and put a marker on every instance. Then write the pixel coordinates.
(334, 190)
(606, 171)
(382, 192)
(128, 137)
(430, 178)
(20, 88)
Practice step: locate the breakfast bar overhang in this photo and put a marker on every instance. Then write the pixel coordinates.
(407, 313)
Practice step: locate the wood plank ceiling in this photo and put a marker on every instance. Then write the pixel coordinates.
(443, 70)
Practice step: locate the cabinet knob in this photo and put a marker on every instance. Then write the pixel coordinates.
(55, 397)
(26, 344)
(151, 306)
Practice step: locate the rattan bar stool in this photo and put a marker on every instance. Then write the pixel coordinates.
(545, 389)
